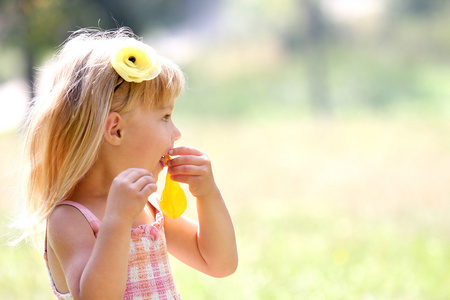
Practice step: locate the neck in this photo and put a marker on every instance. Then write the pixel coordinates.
(95, 185)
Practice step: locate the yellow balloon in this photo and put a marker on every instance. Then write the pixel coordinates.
(173, 199)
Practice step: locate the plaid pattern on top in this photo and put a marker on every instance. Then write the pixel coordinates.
(149, 273)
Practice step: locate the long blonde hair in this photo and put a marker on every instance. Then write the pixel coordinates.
(64, 130)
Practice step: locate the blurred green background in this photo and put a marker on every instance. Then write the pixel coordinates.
(326, 121)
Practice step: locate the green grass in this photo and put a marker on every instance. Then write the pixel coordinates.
(323, 209)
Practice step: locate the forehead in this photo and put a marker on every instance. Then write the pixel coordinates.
(166, 106)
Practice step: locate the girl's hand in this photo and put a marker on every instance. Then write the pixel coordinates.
(129, 193)
(193, 167)
(208, 245)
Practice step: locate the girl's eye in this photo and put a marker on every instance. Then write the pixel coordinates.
(166, 118)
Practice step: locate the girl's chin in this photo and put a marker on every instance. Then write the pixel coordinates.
(156, 171)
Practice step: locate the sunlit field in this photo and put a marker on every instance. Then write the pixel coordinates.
(323, 209)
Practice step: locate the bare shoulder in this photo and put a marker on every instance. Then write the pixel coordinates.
(70, 243)
(68, 229)
(66, 218)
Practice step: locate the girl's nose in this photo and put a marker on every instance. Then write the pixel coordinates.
(176, 134)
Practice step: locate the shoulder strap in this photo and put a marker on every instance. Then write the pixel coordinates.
(90, 217)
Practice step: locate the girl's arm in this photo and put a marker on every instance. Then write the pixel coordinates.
(208, 245)
(97, 268)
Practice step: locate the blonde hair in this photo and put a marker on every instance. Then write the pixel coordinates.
(65, 126)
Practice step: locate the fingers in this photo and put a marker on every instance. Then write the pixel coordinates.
(189, 165)
(187, 156)
(185, 151)
(149, 189)
(133, 174)
(188, 179)
(129, 192)
(145, 184)
(189, 170)
(188, 160)
(140, 180)
(193, 167)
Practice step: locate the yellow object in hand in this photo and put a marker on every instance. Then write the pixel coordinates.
(173, 199)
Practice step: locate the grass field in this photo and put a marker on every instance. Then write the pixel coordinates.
(323, 209)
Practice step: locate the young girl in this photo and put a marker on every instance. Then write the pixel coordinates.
(97, 138)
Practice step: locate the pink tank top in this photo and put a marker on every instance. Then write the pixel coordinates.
(149, 273)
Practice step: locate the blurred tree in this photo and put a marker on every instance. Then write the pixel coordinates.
(142, 14)
(417, 7)
(36, 26)
(309, 34)
(316, 60)
(418, 30)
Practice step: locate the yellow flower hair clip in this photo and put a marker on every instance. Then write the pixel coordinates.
(136, 62)
(173, 199)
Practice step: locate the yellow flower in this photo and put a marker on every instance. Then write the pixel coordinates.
(136, 62)
(173, 199)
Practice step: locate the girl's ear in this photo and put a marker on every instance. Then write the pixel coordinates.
(113, 129)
